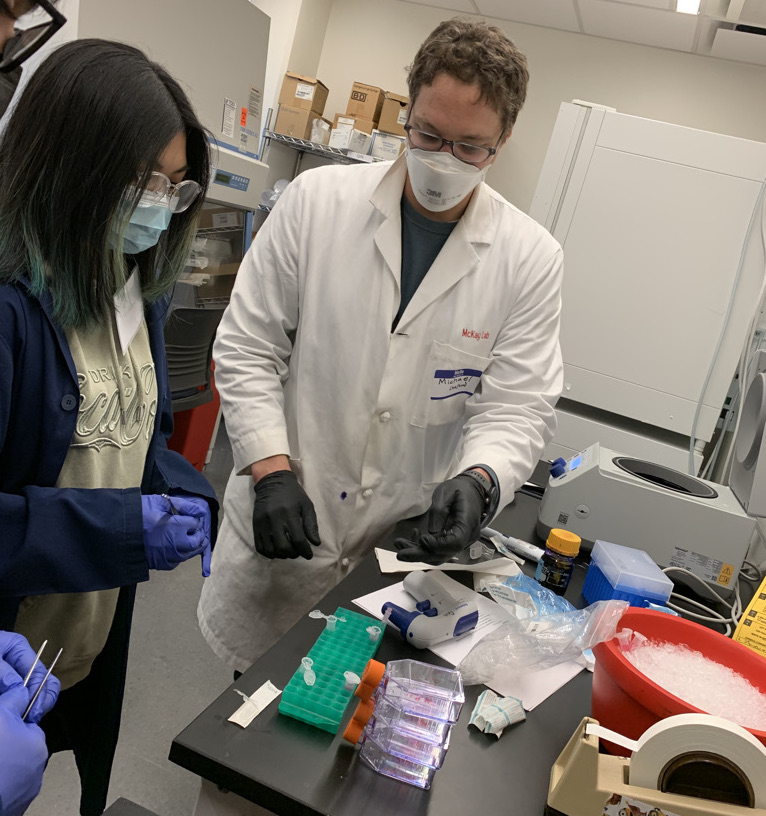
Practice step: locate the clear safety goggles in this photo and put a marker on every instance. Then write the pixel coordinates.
(27, 41)
(160, 190)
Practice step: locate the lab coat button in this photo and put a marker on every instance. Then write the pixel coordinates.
(366, 493)
(385, 416)
(69, 402)
(344, 562)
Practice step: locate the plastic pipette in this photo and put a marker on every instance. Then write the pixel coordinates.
(516, 545)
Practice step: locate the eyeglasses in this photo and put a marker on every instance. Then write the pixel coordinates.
(158, 189)
(468, 153)
(27, 42)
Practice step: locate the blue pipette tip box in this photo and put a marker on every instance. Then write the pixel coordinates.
(624, 573)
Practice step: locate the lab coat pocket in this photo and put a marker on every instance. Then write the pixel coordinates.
(450, 377)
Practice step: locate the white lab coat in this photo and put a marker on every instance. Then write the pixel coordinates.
(307, 365)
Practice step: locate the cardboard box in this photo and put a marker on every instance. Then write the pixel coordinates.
(386, 145)
(356, 122)
(295, 122)
(393, 114)
(303, 93)
(350, 138)
(365, 101)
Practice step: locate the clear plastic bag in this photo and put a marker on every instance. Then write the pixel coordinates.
(541, 641)
(320, 131)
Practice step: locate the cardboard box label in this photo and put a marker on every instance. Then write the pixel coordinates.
(226, 219)
(401, 119)
(304, 91)
(385, 145)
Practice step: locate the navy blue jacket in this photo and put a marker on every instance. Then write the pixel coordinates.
(74, 540)
(71, 539)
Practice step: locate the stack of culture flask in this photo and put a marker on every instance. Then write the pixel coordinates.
(404, 718)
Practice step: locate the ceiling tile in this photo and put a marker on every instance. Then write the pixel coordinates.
(453, 5)
(754, 12)
(739, 45)
(665, 5)
(645, 26)
(549, 13)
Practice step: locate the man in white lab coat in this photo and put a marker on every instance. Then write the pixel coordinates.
(391, 348)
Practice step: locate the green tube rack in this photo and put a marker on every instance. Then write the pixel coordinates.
(347, 648)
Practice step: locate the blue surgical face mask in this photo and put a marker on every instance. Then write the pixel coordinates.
(145, 227)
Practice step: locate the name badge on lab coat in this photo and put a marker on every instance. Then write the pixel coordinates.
(449, 383)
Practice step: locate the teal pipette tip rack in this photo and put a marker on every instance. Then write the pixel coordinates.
(347, 648)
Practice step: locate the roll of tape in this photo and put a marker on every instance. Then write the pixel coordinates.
(681, 734)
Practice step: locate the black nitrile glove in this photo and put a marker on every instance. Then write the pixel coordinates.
(454, 523)
(284, 520)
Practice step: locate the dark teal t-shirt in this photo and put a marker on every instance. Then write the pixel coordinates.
(422, 241)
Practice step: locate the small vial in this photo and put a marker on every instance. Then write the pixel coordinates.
(373, 632)
(555, 567)
(309, 676)
(351, 680)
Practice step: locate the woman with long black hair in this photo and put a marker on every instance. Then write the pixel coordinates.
(103, 168)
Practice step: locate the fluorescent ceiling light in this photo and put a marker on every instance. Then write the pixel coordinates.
(688, 6)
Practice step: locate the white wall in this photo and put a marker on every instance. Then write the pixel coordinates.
(284, 20)
(373, 40)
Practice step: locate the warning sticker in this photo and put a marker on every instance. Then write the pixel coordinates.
(254, 102)
(751, 630)
(229, 117)
(703, 566)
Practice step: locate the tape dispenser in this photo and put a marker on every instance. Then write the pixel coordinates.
(685, 765)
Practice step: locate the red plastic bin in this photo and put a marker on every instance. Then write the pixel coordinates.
(628, 702)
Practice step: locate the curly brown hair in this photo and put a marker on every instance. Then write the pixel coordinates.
(474, 52)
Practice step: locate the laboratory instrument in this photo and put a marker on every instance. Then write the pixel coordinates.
(42, 682)
(678, 520)
(641, 207)
(443, 610)
(555, 567)
(515, 545)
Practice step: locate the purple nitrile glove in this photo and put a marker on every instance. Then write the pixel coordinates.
(16, 659)
(23, 754)
(176, 528)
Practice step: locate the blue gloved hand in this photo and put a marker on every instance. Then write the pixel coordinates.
(16, 658)
(176, 528)
(23, 755)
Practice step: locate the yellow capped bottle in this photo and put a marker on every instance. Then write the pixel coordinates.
(554, 569)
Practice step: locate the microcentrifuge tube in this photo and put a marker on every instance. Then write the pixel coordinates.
(373, 632)
(309, 676)
(352, 680)
(331, 620)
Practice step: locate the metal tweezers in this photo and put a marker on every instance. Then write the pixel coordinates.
(45, 679)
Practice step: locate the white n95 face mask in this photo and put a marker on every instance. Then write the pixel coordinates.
(439, 180)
